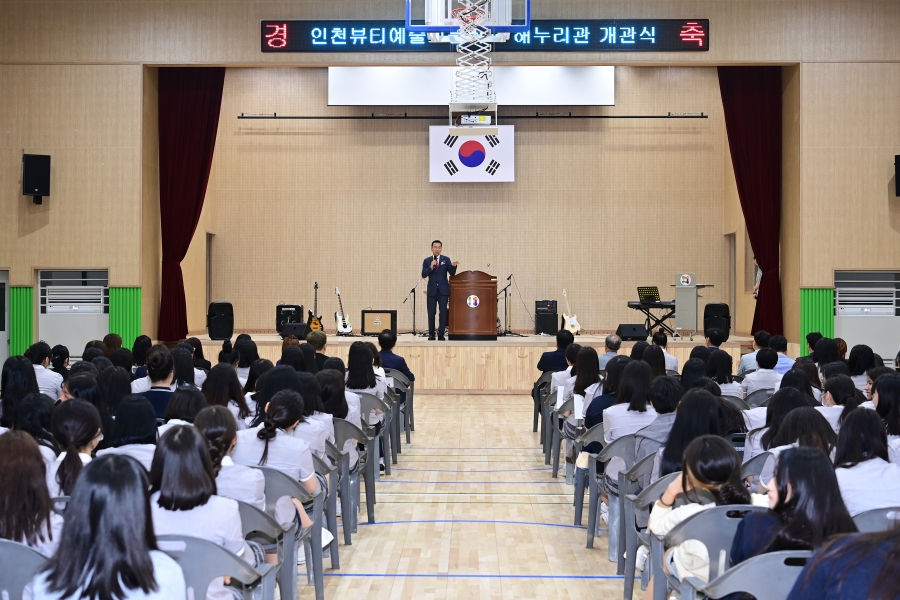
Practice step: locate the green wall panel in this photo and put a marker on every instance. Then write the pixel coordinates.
(21, 319)
(816, 313)
(125, 313)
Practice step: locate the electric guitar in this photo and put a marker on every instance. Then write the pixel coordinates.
(314, 321)
(341, 322)
(570, 321)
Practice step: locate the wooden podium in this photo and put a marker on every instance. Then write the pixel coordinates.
(473, 307)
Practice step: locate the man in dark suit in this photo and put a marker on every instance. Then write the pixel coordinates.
(387, 339)
(556, 360)
(436, 268)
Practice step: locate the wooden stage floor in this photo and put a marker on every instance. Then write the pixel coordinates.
(507, 365)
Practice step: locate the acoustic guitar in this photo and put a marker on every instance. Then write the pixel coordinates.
(341, 322)
(570, 321)
(315, 319)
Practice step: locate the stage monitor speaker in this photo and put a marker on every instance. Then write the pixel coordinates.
(298, 330)
(632, 332)
(36, 176)
(287, 313)
(220, 320)
(376, 321)
(545, 323)
(717, 314)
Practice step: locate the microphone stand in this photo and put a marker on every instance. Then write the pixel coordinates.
(505, 291)
(412, 293)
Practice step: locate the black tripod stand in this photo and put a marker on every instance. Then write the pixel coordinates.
(505, 291)
(412, 293)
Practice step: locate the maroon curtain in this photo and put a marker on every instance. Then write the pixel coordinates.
(751, 97)
(189, 103)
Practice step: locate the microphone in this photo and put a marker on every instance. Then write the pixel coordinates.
(510, 277)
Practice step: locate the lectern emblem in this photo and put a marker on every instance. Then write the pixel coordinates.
(472, 301)
(685, 279)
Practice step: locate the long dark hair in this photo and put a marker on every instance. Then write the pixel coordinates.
(700, 352)
(810, 505)
(376, 355)
(246, 349)
(360, 373)
(115, 384)
(222, 386)
(637, 351)
(185, 404)
(692, 370)
(799, 380)
(807, 365)
(588, 366)
(697, 415)
(35, 412)
(60, 354)
(312, 394)
(309, 357)
(258, 367)
(283, 410)
(16, 382)
(292, 356)
(713, 464)
(181, 470)
(135, 422)
(860, 549)
(197, 345)
(843, 392)
(634, 389)
(862, 437)
(282, 377)
(888, 408)
(826, 351)
(807, 427)
(24, 498)
(780, 405)
(861, 359)
(183, 364)
(74, 424)
(108, 534)
(719, 367)
(219, 429)
(334, 399)
(655, 357)
(614, 369)
(139, 349)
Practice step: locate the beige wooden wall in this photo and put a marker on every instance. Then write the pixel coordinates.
(598, 208)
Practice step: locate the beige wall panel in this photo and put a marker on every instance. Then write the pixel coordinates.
(88, 118)
(850, 132)
(193, 269)
(151, 242)
(596, 209)
(855, 30)
(791, 218)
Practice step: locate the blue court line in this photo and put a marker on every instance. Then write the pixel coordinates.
(474, 576)
(463, 472)
(560, 525)
(383, 480)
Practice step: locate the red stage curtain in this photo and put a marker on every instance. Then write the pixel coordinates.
(189, 103)
(751, 97)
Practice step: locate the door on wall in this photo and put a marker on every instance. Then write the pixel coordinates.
(4, 315)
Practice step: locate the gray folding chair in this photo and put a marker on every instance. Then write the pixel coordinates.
(624, 449)
(349, 479)
(20, 565)
(878, 519)
(279, 485)
(542, 382)
(634, 536)
(767, 577)
(594, 434)
(672, 373)
(392, 399)
(202, 561)
(273, 537)
(338, 459)
(714, 528)
(738, 441)
(548, 404)
(402, 384)
(736, 402)
(754, 466)
(59, 504)
(556, 442)
(368, 403)
(330, 509)
(756, 399)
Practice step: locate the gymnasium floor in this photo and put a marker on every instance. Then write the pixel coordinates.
(470, 512)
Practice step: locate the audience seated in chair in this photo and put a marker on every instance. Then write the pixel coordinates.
(748, 361)
(556, 360)
(867, 480)
(612, 343)
(660, 339)
(765, 376)
(134, 431)
(76, 426)
(319, 341)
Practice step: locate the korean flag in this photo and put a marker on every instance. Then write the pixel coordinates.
(472, 159)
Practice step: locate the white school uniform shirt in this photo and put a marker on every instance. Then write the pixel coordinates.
(218, 521)
(236, 411)
(3, 430)
(768, 470)
(169, 425)
(763, 379)
(732, 389)
(372, 417)
(139, 386)
(168, 575)
(747, 363)
(143, 453)
(52, 485)
(199, 377)
(618, 421)
(241, 483)
(243, 374)
(51, 531)
(354, 416)
(894, 449)
(860, 382)
(312, 431)
(568, 391)
(251, 404)
(832, 414)
(49, 382)
(868, 404)
(753, 444)
(47, 454)
(755, 417)
(559, 378)
(288, 454)
(874, 483)
(671, 361)
(327, 421)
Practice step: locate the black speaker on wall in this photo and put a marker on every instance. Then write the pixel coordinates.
(632, 332)
(36, 176)
(220, 320)
(544, 323)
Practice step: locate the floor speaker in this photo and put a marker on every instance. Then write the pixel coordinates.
(298, 330)
(632, 332)
(220, 320)
(287, 313)
(717, 314)
(545, 323)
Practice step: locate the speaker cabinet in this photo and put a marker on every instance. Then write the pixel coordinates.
(376, 321)
(288, 313)
(546, 323)
(717, 315)
(220, 320)
(36, 176)
(298, 330)
(632, 332)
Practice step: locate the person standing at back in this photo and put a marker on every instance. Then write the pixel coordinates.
(436, 268)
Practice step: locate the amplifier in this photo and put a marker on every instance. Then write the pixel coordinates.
(376, 321)
(545, 307)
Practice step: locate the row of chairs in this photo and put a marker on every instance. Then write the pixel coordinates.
(203, 561)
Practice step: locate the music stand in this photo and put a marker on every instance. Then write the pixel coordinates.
(648, 293)
(649, 296)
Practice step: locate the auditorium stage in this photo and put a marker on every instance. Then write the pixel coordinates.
(506, 365)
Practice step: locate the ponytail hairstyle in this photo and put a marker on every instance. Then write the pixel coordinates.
(159, 363)
(887, 387)
(810, 505)
(588, 365)
(217, 426)
(222, 387)
(334, 400)
(33, 418)
(783, 402)
(843, 393)
(862, 437)
(711, 464)
(229, 355)
(58, 357)
(283, 410)
(258, 367)
(74, 424)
